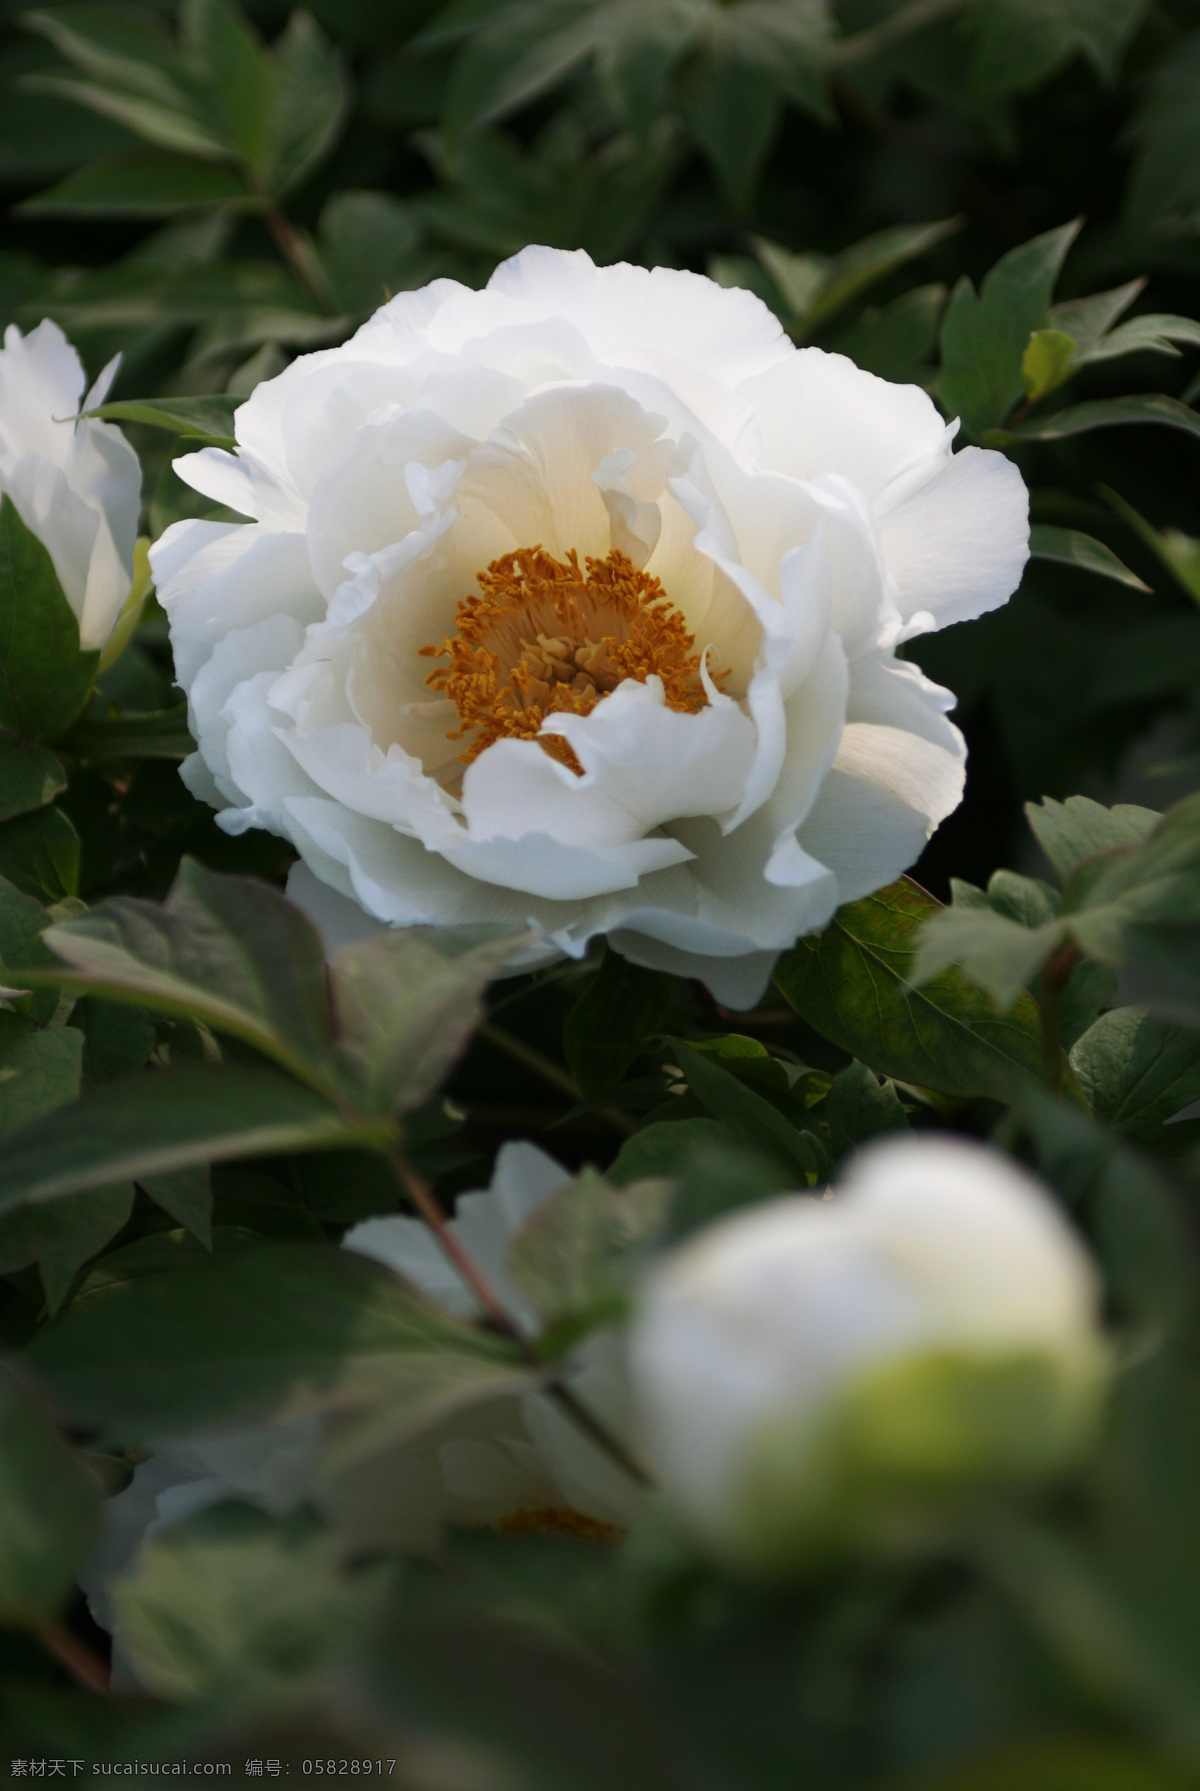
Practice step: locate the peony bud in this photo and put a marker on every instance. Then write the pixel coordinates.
(76, 486)
(818, 1374)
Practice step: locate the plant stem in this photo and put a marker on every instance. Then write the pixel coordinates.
(299, 257)
(429, 1207)
(84, 1665)
(532, 1059)
(1055, 974)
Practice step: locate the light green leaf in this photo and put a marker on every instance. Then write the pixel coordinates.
(1072, 548)
(1138, 1072)
(39, 852)
(208, 420)
(160, 1121)
(30, 777)
(852, 984)
(622, 1007)
(285, 1329)
(231, 1604)
(1047, 362)
(44, 676)
(49, 1512)
(985, 335)
(225, 950)
(141, 183)
(1072, 831)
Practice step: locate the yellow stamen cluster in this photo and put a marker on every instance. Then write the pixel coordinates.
(543, 638)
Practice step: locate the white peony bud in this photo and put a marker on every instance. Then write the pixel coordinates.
(814, 1374)
(76, 486)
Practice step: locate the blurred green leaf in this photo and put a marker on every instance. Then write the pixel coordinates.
(572, 1257)
(1070, 547)
(896, 342)
(861, 1105)
(308, 101)
(284, 1329)
(231, 1603)
(141, 183)
(816, 287)
(39, 1071)
(49, 1512)
(1166, 130)
(1018, 43)
(985, 335)
(44, 675)
(853, 985)
(1178, 552)
(406, 1002)
(159, 1121)
(187, 1195)
(1073, 831)
(1000, 955)
(159, 734)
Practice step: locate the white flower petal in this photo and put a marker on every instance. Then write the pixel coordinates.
(957, 545)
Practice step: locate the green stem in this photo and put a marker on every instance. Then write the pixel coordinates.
(531, 1059)
(299, 257)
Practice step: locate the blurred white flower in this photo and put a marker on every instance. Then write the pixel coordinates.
(76, 486)
(815, 1373)
(513, 1465)
(574, 603)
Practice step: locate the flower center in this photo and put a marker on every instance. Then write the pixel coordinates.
(556, 1520)
(543, 638)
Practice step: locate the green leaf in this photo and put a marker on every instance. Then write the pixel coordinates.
(407, 1001)
(573, 1256)
(1150, 333)
(1178, 552)
(39, 1071)
(672, 1148)
(233, 1605)
(1156, 881)
(985, 335)
(157, 1122)
(1046, 362)
(371, 246)
(231, 72)
(39, 853)
(1100, 413)
(726, 1097)
(852, 984)
(207, 420)
(622, 1007)
(151, 734)
(187, 1195)
(117, 1040)
(1019, 43)
(897, 341)
(285, 1329)
(816, 287)
(309, 101)
(1075, 830)
(1002, 956)
(1071, 548)
(49, 1512)
(79, 1228)
(22, 920)
(30, 777)
(225, 950)
(1138, 1072)
(44, 677)
(732, 109)
(1166, 129)
(141, 183)
(1088, 320)
(860, 1106)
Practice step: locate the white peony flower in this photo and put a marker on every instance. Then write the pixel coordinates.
(813, 1373)
(575, 603)
(511, 1464)
(76, 486)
